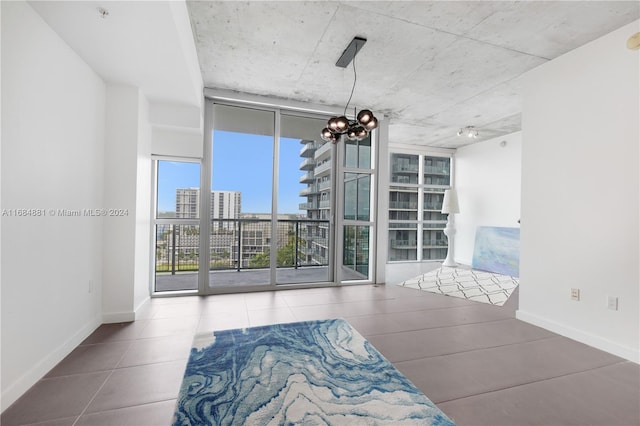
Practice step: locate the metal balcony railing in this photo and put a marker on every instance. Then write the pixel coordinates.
(404, 244)
(237, 244)
(404, 168)
(403, 205)
(435, 170)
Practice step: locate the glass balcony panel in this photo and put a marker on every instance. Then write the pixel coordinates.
(177, 257)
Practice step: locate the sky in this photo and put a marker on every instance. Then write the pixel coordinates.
(241, 162)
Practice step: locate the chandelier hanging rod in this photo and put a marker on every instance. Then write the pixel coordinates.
(350, 52)
(364, 121)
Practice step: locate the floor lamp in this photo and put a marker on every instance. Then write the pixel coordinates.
(450, 207)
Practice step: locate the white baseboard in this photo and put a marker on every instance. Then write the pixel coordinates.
(631, 354)
(38, 371)
(142, 306)
(116, 317)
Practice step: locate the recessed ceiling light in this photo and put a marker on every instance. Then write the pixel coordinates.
(470, 131)
(103, 12)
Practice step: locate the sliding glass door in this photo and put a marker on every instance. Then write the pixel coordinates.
(176, 225)
(304, 202)
(268, 198)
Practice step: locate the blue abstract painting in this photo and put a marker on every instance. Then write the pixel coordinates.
(497, 250)
(305, 373)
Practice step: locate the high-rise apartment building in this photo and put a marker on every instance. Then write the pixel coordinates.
(317, 165)
(187, 203)
(224, 204)
(416, 193)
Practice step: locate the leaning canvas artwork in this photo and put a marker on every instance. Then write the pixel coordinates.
(497, 250)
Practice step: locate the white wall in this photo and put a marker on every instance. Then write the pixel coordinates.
(580, 190)
(142, 264)
(487, 180)
(127, 162)
(53, 120)
(120, 165)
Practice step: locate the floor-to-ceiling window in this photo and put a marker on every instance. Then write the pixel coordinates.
(274, 205)
(358, 216)
(416, 191)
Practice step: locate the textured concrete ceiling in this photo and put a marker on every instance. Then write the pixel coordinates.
(431, 67)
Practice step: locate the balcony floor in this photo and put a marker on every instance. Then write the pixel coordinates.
(247, 278)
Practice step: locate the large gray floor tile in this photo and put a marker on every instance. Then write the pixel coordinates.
(430, 318)
(159, 349)
(54, 398)
(465, 374)
(608, 396)
(411, 345)
(116, 332)
(426, 301)
(279, 315)
(67, 421)
(265, 300)
(138, 385)
(153, 414)
(91, 358)
(170, 327)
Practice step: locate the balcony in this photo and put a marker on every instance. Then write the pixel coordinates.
(438, 171)
(404, 244)
(400, 168)
(323, 152)
(434, 244)
(177, 260)
(309, 149)
(307, 178)
(403, 205)
(309, 190)
(324, 186)
(308, 206)
(308, 164)
(323, 169)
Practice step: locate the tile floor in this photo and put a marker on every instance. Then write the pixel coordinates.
(475, 361)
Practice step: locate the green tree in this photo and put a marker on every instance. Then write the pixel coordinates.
(260, 260)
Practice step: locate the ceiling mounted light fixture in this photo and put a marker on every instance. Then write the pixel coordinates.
(364, 121)
(470, 131)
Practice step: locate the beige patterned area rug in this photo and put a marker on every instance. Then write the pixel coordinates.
(470, 284)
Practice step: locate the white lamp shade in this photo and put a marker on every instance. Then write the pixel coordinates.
(450, 202)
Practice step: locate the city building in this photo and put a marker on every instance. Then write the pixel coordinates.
(316, 164)
(224, 205)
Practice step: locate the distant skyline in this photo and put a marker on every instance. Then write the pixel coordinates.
(241, 162)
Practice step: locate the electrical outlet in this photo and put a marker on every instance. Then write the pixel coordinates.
(575, 294)
(612, 303)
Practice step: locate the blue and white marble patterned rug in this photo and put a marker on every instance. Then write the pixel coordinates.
(304, 373)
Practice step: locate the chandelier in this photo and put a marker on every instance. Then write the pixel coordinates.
(364, 121)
